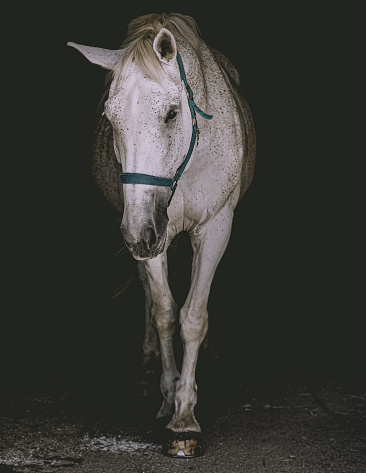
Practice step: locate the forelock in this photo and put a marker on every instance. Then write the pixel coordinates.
(140, 38)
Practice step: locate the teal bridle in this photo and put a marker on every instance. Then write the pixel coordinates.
(148, 179)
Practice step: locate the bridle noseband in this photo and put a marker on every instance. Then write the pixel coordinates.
(148, 179)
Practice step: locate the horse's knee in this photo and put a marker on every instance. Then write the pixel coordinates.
(163, 316)
(194, 325)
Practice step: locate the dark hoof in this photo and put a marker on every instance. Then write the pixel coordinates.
(183, 444)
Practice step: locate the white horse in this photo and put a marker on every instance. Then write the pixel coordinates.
(148, 129)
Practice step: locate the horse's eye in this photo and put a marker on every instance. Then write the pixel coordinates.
(171, 115)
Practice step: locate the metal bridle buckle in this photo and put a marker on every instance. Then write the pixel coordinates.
(189, 92)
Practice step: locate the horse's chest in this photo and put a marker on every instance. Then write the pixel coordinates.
(214, 176)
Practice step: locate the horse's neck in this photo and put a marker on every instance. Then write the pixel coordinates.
(195, 72)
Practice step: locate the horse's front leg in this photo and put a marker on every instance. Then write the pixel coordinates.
(163, 319)
(208, 247)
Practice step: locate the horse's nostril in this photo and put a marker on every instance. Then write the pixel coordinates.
(151, 237)
(123, 231)
(126, 237)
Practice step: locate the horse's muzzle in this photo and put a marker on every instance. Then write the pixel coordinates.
(148, 246)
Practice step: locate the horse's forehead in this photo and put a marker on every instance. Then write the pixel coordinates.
(137, 86)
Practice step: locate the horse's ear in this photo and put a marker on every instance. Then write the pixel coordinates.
(165, 46)
(106, 58)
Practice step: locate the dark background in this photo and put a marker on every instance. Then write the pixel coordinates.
(288, 296)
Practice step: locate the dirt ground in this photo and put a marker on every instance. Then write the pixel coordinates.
(276, 424)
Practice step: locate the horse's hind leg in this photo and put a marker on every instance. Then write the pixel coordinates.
(184, 437)
(150, 345)
(163, 319)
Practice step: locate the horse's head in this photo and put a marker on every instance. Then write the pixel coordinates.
(147, 107)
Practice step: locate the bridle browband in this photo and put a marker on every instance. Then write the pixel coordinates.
(148, 179)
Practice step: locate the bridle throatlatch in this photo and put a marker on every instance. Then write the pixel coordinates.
(148, 179)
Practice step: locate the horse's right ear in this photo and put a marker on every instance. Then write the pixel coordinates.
(106, 58)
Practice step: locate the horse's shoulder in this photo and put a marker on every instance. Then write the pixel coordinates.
(245, 117)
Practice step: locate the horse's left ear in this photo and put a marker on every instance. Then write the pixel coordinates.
(165, 46)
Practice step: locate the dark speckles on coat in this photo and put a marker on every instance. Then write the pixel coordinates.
(230, 133)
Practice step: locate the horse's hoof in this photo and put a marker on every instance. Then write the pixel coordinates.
(183, 444)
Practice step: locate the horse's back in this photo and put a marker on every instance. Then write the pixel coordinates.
(246, 120)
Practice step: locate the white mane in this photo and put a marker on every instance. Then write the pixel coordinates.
(140, 37)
